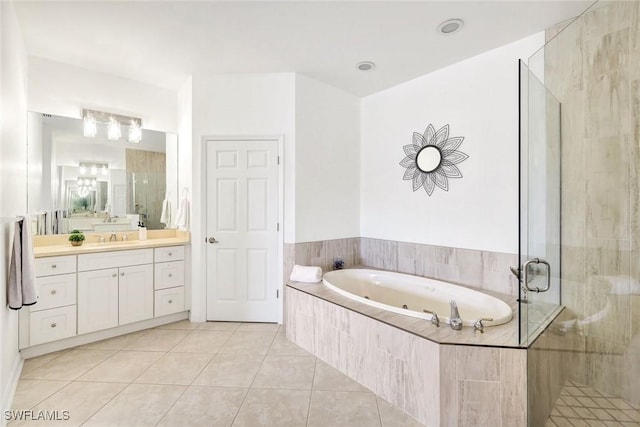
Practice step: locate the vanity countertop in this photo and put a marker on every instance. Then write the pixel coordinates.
(57, 245)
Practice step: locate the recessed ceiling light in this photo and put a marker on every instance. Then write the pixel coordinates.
(450, 26)
(366, 66)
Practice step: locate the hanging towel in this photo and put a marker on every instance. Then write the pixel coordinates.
(165, 217)
(306, 274)
(22, 276)
(182, 216)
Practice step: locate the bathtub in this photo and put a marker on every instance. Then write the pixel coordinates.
(391, 291)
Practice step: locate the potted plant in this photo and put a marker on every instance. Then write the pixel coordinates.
(76, 238)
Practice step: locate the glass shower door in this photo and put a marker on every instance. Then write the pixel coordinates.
(540, 194)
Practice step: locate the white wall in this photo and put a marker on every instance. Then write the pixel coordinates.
(241, 105)
(327, 180)
(63, 90)
(13, 185)
(478, 98)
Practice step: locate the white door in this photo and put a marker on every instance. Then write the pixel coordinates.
(135, 293)
(242, 230)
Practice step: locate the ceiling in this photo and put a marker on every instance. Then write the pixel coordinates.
(163, 42)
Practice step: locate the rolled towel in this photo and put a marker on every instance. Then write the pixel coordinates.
(307, 274)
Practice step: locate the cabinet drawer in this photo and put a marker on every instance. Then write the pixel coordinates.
(169, 274)
(170, 253)
(52, 325)
(55, 291)
(168, 301)
(49, 266)
(114, 259)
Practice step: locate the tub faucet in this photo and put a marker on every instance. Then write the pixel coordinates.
(478, 326)
(454, 319)
(434, 317)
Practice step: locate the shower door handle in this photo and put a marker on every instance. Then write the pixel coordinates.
(525, 275)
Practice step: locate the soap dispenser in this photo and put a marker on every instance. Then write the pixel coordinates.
(142, 232)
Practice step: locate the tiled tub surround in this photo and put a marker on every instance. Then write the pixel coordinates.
(439, 376)
(480, 269)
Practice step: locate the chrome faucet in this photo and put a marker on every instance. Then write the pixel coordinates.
(434, 317)
(107, 218)
(478, 326)
(454, 319)
(113, 237)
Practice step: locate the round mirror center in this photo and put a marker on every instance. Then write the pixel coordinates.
(428, 158)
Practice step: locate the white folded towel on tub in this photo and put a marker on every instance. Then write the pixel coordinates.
(307, 274)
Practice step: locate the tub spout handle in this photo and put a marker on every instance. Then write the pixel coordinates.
(478, 326)
(454, 320)
(434, 317)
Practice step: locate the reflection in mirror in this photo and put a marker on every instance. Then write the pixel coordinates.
(97, 184)
(428, 158)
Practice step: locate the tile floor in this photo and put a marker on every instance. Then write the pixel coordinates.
(198, 374)
(579, 405)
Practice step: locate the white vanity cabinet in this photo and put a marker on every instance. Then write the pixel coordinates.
(116, 288)
(97, 300)
(91, 296)
(169, 280)
(53, 317)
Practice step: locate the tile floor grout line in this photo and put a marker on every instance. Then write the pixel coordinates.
(313, 381)
(105, 404)
(254, 379)
(55, 392)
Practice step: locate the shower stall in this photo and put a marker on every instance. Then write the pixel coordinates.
(580, 220)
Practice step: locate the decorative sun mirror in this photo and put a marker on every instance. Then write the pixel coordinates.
(428, 158)
(432, 158)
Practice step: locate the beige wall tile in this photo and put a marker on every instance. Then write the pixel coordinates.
(513, 387)
(477, 403)
(477, 363)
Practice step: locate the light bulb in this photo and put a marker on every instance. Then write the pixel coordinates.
(89, 126)
(113, 130)
(105, 171)
(135, 132)
(94, 170)
(83, 170)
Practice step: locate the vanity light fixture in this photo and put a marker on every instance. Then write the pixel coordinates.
(114, 123)
(135, 132)
(89, 126)
(104, 170)
(113, 130)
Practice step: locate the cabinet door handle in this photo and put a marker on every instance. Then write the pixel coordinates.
(170, 253)
(53, 292)
(114, 275)
(53, 266)
(170, 275)
(53, 325)
(122, 274)
(170, 301)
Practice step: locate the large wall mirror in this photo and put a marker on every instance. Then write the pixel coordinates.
(95, 184)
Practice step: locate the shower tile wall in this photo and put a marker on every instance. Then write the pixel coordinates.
(150, 168)
(481, 269)
(593, 68)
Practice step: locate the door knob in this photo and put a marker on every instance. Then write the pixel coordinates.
(212, 240)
